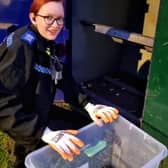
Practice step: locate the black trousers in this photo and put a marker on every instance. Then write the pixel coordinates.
(21, 151)
(61, 119)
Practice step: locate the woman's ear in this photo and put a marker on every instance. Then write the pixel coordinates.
(32, 18)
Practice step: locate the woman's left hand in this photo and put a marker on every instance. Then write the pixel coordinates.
(101, 113)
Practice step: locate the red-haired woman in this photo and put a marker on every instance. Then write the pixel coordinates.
(30, 71)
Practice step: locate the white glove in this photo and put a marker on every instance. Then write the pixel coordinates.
(101, 113)
(64, 142)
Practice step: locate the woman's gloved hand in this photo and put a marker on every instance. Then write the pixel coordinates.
(64, 142)
(101, 113)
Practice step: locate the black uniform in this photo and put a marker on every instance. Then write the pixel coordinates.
(28, 66)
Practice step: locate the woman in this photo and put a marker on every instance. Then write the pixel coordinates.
(30, 71)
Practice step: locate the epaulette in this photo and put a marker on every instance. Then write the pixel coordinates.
(9, 40)
(29, 37)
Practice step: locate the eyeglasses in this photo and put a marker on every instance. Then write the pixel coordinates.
(49, 20)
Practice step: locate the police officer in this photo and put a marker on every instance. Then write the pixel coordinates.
(31, 70)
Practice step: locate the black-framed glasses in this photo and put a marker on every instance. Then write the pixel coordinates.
(49, 20)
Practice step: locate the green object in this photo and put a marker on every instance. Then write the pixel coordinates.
(164, 163)
(156, 103)
(7, 157)
(48, 52)
(91, 151)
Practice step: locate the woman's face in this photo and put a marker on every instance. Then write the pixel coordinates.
(49, 20)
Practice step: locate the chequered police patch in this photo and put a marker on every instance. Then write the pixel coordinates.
(29, 37)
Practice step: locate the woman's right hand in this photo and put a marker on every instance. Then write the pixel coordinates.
(64, 142)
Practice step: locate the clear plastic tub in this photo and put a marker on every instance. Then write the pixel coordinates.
(117, 145)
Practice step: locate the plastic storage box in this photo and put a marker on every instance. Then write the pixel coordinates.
(117, 145)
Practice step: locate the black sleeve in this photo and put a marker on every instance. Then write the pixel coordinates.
(13, 118)
(12, 67)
